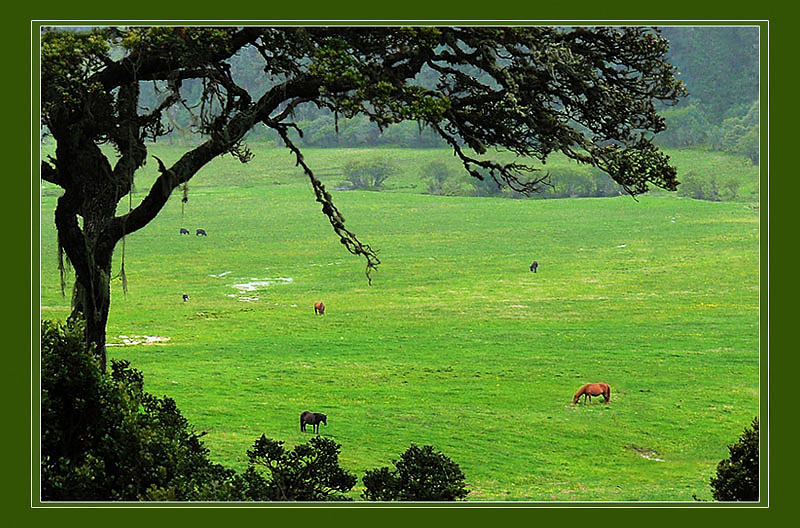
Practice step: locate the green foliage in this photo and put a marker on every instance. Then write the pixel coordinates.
(737, 476)
(327, 132)
(309, 472)
(701, 188)
(410, 135)
(368, 174)
(104, 438)
(442, 179)
(563, 181)
(580, 182)
(739, 135)
(188, 44)
(421, 474)
(69, 88)
(731, 188)
(720, 65)
(692, 125)
(487, 186)
(332, 62)
(686, 126)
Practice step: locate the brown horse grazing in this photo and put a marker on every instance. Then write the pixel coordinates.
(307, 417)
(593, 389)
(319, 308)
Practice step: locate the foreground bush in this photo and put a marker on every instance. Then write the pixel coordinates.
(737, 476)
(104, 438)
(308, 472)
(421, 474)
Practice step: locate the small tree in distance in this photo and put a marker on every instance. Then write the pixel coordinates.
(368, 174)
(737, 476)
(421, 474)
(437, 174)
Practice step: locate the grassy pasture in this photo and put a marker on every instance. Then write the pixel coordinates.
(456, 344)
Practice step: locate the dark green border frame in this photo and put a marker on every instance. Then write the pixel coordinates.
(26, 380)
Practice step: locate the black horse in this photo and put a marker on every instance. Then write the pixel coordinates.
(534, 266)
(307, 417)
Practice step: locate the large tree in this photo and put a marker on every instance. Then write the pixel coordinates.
(586, 92)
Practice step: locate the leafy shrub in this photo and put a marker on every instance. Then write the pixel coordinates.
(409, 135)
(485, 187)
(444, 180)
(731, 188)
(368, 174)
(692, 186)
(309, 472)
(104, 438)
(573, 185)
(421, 474)
(737, 476)
(686, 126)
(739, 135)
(436, 175)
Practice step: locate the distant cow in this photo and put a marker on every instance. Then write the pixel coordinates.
(534, 266)
(319, 308)
(184, 231)
(201, 232)
(185, 297)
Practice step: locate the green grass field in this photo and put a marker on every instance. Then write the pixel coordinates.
(456, 344)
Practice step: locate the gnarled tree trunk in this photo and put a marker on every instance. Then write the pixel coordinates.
(89, 247)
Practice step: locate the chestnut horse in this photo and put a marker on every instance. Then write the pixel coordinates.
(593, 389)
(319, 308)
(307, 417)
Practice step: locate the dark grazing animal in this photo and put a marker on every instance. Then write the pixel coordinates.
(185, 297)
(184, 231)
(201, 232)
(313, 419)
(593, 389)
(319, 308)
(534, 266)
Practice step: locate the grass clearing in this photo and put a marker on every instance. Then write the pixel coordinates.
(457, 344)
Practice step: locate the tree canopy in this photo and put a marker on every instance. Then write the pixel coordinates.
(737, 476)
(589, 93)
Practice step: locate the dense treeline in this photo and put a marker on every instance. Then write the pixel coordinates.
(720, 66)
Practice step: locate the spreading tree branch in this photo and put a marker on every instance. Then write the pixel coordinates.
(346, 237)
